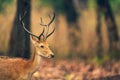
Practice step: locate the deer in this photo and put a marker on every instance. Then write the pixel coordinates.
(23, 69)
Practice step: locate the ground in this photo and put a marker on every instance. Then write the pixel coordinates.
(77, 70)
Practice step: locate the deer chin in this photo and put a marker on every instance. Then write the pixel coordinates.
(41, 55)
(44, 56)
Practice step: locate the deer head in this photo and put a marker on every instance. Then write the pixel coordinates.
(40, 42)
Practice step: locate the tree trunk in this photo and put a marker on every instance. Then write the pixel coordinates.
(99, 34)
(80, 4)
(19, 44)
(111, 26)
(104, 7)
(73, 26)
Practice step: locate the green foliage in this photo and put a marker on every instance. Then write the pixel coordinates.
(92, 4)
(3, 4)
(98, 60)
(58, 4)
(46, 2)
(115, 4)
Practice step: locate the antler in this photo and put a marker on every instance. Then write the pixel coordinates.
(47, 25)
(21, 21)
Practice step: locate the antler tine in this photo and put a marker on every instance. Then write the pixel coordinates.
(51, 19)
(42, 22)
(21, 18)
(43, 27)
(50, 33)
(49, 16)
(47, 25)
(21, 21)
(28, 31)
(42, 33)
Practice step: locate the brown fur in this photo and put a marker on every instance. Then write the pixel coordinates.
(16, 68)
(11, 69)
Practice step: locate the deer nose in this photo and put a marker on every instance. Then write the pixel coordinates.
(52, 55)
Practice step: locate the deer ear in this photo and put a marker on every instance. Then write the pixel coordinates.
(34, 40)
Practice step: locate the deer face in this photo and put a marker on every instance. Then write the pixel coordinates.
(42, 48)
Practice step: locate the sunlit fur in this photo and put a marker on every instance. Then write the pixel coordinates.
(21, 69)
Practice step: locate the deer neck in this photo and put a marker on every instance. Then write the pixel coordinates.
(33, 63)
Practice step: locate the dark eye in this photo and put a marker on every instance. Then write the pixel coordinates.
(42, 46)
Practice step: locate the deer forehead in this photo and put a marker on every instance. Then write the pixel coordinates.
(43, 43)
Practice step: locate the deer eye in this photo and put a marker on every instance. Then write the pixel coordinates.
(42, 46)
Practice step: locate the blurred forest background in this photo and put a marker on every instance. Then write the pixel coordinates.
(87, 35)
(85, 29)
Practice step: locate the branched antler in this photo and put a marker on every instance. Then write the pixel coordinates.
(21, 21)
(45, 26)
(48, 25)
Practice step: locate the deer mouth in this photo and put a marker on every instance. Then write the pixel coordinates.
(49, 56)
